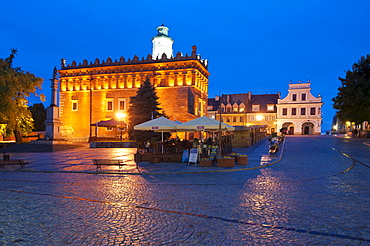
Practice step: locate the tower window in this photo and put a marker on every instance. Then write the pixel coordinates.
(74, 105)
(294, 98)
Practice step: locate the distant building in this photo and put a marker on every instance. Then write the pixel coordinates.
(91, 92)
(300, 112)
(245, 109)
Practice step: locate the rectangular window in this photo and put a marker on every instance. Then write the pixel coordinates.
(270, 107)
(313, 111)
(252, 118)
(74, 105)
(227, 119)
(255, 107)
(294, 97)
(266, 118)
(109, 128)
(285, 111)
(294, 111)
(304, 97)
(303, 111)
(109, 105)
(234, 119)
(228, 110)
(235, 109)
(241, 119)
(273, 118)
(121, 104)
(241, 109)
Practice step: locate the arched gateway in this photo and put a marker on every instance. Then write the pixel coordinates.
(307, 128)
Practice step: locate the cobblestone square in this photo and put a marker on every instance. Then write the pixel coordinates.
(316, 193)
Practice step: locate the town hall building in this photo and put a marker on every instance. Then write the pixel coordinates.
(96, 91)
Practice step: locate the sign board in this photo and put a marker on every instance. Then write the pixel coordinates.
(155, 127)
(200, 127)
(193, 156)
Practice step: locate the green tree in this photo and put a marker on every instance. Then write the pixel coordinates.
(353, 99)
(38, 112)
(15, 87)
(143, 107)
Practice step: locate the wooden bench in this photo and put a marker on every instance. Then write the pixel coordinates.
(4, 163)
(108, 162)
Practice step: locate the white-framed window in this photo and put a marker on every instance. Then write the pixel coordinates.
(266, 118)
(74, 105)
(270, 107)
(109, 128)
(122, 104)
(294, 97)
(303, 111)
(255, 107)
(313, 111)
(109, 104)
(294, 111)
(304, 97)
(285, 111)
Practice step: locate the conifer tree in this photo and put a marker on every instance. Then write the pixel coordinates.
(143, 107)
(15, 87)
(353, 99)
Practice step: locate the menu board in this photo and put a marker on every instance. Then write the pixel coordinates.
(193, 156)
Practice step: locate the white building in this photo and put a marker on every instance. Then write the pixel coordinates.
(300, 112)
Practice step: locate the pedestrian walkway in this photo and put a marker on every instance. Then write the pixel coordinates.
(81, 160)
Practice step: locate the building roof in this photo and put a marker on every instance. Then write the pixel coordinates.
(263, 101)
(247, 98)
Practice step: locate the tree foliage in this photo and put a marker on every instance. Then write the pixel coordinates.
(143, 107)
(38, 112)
(353, 99)
(15, 87)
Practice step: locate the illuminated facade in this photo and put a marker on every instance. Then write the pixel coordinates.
(300, 111)
(245, 109)
(95, 91)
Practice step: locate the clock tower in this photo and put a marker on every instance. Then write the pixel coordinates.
(162, 43)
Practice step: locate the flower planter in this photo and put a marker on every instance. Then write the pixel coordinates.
(242, 160)
(226, 162)
(207, 163)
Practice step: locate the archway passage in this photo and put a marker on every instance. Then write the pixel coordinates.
(307, 128)
(289, 127)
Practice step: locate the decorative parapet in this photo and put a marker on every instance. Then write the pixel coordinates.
(135, 60)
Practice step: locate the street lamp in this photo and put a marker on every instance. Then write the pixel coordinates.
(120, 117)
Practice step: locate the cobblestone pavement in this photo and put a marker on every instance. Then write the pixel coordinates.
(318, 194)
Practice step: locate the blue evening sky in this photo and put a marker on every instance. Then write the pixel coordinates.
(256, 46)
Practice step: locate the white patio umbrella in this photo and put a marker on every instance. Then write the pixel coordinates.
(160, 124)
(204, 124)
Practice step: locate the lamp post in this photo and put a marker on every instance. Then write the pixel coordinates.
(120, 117)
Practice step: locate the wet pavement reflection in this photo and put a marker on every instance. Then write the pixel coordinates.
(313, 196)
